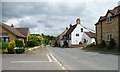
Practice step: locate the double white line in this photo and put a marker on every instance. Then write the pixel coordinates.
(50, 60)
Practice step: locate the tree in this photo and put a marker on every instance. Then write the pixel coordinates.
(34, 40)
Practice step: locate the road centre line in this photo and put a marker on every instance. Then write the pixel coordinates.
(57, 62)
(49, 58)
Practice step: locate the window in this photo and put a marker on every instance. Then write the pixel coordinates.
(109, 36)
(4, 39)
(77, 34)
(81, 29)
(109, 19)
(69, 37)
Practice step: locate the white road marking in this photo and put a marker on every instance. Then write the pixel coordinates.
(49, 58)
(57, 62)
(28, 61)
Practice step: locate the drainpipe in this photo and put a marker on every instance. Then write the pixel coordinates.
(101, 30)
(119, 32)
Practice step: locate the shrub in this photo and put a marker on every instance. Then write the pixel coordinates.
(102, 44)
(91, 45)
(19, 43)
(31, 43)
(111, 44)
(11, 47)
(19, 51)
(65, 44)
(4, 45)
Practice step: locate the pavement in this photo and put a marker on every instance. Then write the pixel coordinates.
(55, 58)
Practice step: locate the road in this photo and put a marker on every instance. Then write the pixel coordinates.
(37, 59)
(53, 58)
(77, 59)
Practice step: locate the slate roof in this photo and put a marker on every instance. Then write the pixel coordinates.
(91, 34)
(13, 30)
(71, 29)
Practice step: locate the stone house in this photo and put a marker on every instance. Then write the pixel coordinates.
(60, 39)
(9, 33)
(108, 26)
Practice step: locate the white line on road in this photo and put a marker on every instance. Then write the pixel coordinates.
(49, 58)
(28, 61)
(57, 61)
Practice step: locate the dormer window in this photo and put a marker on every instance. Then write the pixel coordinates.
(109, 19)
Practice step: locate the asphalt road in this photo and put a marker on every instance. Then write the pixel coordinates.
(38, 59)
(53, 58)
(77, 59)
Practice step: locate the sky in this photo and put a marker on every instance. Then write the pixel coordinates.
(51, 17)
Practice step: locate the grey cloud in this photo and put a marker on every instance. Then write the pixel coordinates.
(20, 9)
(29, 24)
(53, 18)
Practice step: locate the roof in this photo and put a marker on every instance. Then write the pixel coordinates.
(91, 34)
(13, 30)
(24, 31)
(63, 33)
(71, 29)
(114, 12)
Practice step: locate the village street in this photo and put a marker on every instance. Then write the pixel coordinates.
(53, 58)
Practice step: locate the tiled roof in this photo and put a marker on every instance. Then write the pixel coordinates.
(24, 31)
(13, 30)
(71, 29)
(114, 12)
(91, 34)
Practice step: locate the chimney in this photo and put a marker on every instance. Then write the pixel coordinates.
(12, 25)
(78, 21)
(66, 28)
(70, 25)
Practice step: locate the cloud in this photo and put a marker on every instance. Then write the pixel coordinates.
(53, 17)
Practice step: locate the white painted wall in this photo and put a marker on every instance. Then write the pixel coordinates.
(88, 39)
(76, 39)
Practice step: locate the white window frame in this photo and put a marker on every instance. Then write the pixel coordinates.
(109, 36)
(77, 34)
(109, 19)
(81, 29)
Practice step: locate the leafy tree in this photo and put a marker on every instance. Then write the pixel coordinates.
(34, 40)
